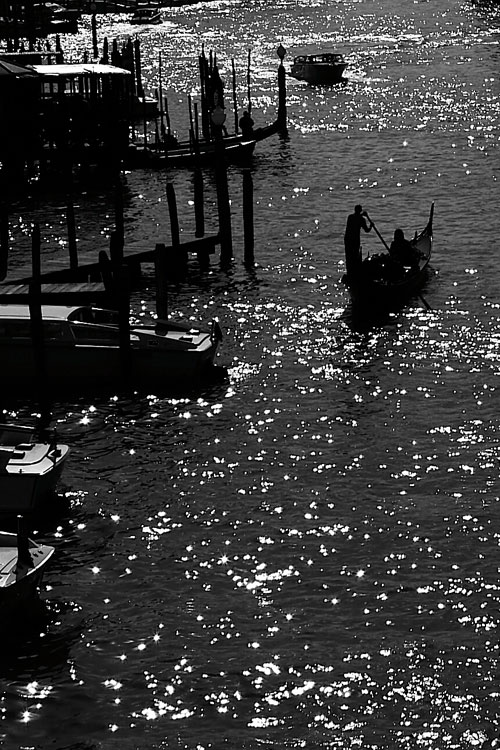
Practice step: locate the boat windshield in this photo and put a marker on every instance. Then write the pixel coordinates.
(329, 58)
(94, 315)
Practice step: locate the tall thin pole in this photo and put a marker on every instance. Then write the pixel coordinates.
(248, 84)
(235, 102)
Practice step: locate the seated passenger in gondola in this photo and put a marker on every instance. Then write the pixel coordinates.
(246, 125)
(402, 250)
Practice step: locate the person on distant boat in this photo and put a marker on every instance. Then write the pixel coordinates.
(402, 250)
(246, 125)
(170, 141)
(352, 239)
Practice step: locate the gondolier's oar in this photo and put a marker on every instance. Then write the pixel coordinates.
(424, 301)
(378, 233)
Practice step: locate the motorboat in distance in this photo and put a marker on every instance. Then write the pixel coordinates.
(322, 68)
(146, 15)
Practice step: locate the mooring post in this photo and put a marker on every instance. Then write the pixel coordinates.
(161, 281)
(281, 52)
(116, 250)
(35, 307)
(138, 67)
(249, 107)
(119, 213)
(70, 221)
(248, 229)
(199, 212)
(36, 266)
(123, 300)
(106, 271)
(179, 258)
(95, 49)
(224, 211)
(4, 240)
(235, 101)
(223, 206)
(37, 339)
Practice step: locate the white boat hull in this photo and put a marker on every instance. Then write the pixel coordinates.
(29, 471)
(19, 581)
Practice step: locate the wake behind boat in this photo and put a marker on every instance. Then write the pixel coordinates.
(384, 284)
(89, 346)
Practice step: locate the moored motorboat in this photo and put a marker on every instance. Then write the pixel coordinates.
(322, 68)
(22, 565)
(383, 284)
(84, 346)
(29, 468)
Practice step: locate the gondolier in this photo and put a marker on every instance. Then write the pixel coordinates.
(352, 239)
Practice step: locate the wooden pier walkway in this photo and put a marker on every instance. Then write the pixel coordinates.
(90, 282)
(61, 294)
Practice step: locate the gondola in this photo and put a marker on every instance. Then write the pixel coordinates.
(383, 284)
(237, 149)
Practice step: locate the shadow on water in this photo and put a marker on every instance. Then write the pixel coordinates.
(28, 646)
(363, 320)
(46, 395)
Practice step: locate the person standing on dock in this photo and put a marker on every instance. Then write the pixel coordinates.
(352, 239)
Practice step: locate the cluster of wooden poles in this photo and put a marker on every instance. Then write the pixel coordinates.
(174, 257)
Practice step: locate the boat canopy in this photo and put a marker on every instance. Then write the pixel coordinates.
(74, 70)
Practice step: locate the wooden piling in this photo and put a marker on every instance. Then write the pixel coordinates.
(70, 221)
(174, 219)
(223, 207)
(249, 107)
(116, 250)
(235, 100)
(161, 281)
(123, 304)
(95, 49)
(106, 272)
(4, 240)
(199, 212)
(119, 211)
(138, 67)
(248, 228)
(179, 257)
(282, 96)
(37, 337)
(36, 265)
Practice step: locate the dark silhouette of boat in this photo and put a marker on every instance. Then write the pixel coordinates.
(323, 68)
(382, 284)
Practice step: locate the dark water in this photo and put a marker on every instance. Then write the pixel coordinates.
(307, 556)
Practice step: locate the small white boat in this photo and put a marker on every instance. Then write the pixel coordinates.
(22, 565)
(84, 346)
(323, 68)
(29, 470)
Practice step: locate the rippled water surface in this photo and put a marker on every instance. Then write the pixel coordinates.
(307, 555)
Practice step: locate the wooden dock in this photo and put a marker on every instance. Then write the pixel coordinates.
(60, 294)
